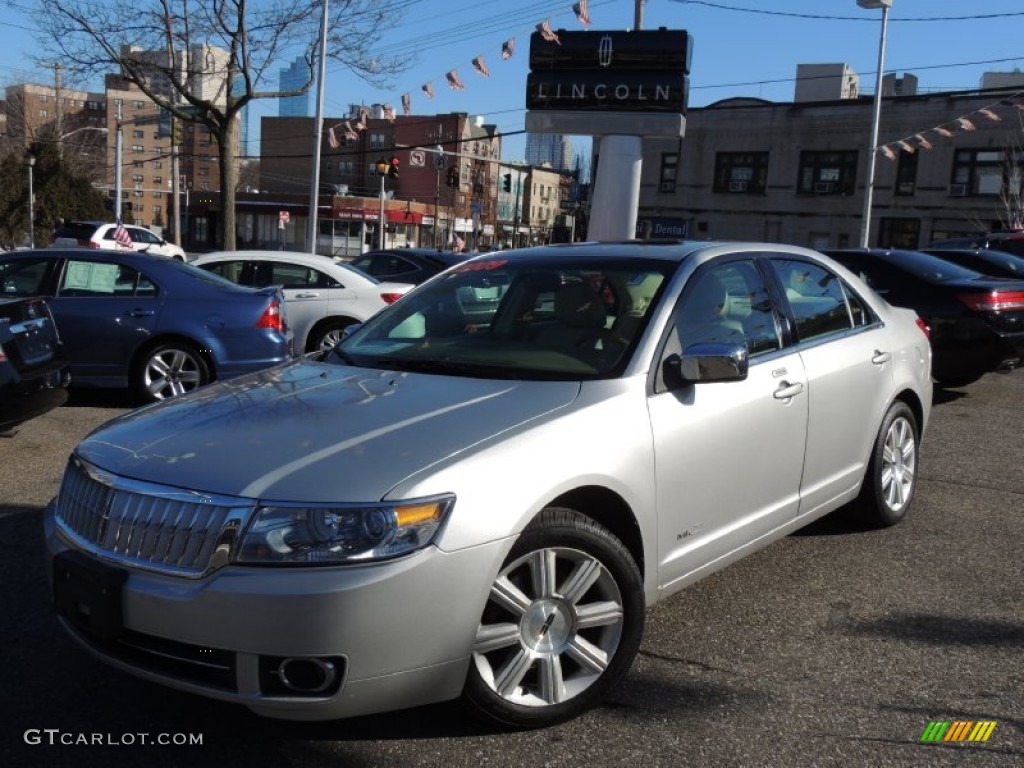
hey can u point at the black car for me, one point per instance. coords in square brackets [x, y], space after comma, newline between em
[407, 265]
[1011, 242]
[983, 260]
[33, 364]
[976, 321]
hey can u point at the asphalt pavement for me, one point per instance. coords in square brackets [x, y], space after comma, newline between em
[837, 646]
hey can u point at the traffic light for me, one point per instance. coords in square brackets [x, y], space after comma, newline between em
[393, 168]
[506, 182]
[453, 178]
[176, 131]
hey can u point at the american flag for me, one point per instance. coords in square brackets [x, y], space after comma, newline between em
[428, 88]
[547, 33]
[121, 236]
[479, 66]
[580, 9]
[406, 104]
[925, 144]
[453, 81]
[332, 139]
[508, 48]
[964, 123]
[389, 113]
[989, 114]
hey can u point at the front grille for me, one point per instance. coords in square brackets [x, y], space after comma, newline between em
[156, 527]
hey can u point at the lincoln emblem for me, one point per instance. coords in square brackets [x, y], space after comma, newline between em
[604, 51]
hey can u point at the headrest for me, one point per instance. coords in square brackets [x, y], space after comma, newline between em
[579, 306]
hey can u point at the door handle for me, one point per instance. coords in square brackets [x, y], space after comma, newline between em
[140, 313]
[306, 295]
[787, 390]
[881, 357]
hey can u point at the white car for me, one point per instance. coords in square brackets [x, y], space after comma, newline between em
[322, 296]
[100, 234]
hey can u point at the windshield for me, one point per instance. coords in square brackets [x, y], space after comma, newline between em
[523, 318]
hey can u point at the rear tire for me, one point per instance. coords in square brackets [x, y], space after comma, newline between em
[891, 478]
[168, 370]
[326, 335]
[561, 626]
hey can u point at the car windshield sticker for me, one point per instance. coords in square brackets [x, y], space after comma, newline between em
[91, 277]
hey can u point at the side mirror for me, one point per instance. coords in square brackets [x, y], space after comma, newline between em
[703, 363]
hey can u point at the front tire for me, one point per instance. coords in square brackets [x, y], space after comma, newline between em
[891, 479]
[168, 370]
[562, 624]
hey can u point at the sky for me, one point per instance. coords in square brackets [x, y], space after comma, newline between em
[740, 48]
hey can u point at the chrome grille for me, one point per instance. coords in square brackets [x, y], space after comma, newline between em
[156, 527]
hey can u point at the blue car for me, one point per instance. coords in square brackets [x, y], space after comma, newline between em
[157, 326]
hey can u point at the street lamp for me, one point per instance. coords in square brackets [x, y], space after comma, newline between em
[382, 170]
[31, 205]
[869, 188]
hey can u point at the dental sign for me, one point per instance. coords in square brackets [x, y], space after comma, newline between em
[641, 71]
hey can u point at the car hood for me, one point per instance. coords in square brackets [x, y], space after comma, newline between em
[309, 431]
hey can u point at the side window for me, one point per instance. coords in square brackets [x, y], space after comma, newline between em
[860, 312]
[815, 296]
[23, 277]
[291, 275]
[728, 303]
[229, 270]
[90, 278]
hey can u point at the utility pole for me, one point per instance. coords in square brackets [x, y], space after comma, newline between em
[117, 165]
[318, 137]
[176, 178]
[58, 107]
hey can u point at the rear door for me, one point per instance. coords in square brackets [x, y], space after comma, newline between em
[847, 357]
[309, 294]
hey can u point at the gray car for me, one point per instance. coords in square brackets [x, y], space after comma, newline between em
[480, 491]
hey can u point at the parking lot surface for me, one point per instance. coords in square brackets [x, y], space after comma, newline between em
[836, 646]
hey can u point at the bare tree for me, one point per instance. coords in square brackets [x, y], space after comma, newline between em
[203, 61]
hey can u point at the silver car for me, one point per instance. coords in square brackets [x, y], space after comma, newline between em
[479, 492]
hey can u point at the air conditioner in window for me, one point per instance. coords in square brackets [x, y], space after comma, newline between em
[824, 187]
[957, 190]
[737, 186]
[667, 186]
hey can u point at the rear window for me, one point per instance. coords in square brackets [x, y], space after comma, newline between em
[75, 231]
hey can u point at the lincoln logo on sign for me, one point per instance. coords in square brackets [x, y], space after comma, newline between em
[639, 71]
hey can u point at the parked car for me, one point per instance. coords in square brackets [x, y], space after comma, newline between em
[983, 260]
[34, 372]
[479, 491]
[407, 265]
[323, 296]
[100, 234]
[1011, 242]
[156, 325]
[976, 321]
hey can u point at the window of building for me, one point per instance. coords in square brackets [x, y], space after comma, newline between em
[986, 172]
[906, 173]
[157, 165]
[203, 171]
[158, 193]
[741, 172]
[827, 173]
[138, 133]
[377, 140]
[158, 179]
[138, 148]
[138, 178]
[138, 164]
[157, 210]
[44, 114]
[139, 104]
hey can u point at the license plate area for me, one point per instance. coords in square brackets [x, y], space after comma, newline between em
[88, 593]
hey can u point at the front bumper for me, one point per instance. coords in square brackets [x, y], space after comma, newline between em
[400, 633]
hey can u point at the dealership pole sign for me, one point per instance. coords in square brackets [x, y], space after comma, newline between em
[641, 71]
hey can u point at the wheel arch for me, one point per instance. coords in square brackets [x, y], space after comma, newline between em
[910, 397]
[609, 509]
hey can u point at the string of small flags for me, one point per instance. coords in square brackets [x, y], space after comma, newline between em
[964, 123]
[350, 129]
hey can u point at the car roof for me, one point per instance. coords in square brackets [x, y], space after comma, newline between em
[254, 255]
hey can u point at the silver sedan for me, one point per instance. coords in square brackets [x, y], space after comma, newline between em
[480, 491]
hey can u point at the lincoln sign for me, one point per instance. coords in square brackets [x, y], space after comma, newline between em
[641, 71]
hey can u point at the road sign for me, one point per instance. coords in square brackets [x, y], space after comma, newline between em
[440, 160]
[417, 158]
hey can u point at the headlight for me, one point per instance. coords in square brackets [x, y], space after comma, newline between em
[341, 533]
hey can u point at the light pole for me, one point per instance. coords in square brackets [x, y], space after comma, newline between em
[869, 187]
[382, 170]
[31, 205]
